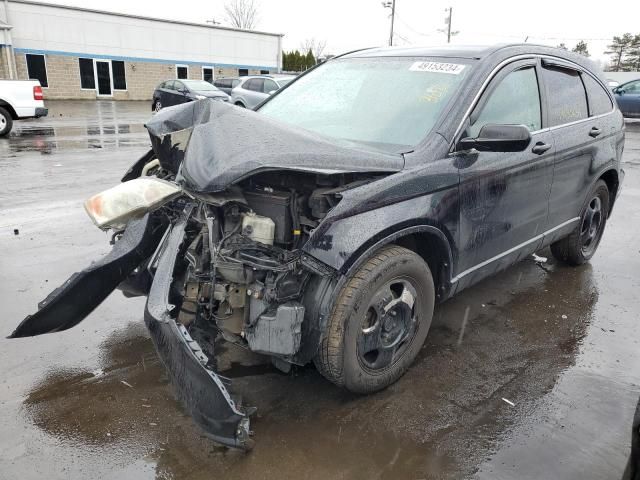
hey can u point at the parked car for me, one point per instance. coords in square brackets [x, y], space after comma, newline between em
[253, 90]
[628, 98]
[19, 99]
[329, 232]
[175, 92]
[226, 84]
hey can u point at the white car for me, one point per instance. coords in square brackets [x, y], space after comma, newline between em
[254, 89]
[19, 99]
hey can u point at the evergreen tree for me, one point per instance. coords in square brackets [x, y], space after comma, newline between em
[632, 58]
[618, 49]
[581, 48]
[310, 60]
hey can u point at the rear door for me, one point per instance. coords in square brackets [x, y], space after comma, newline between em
[628, 98]
[254, 91]
[504, 195]
[583, 129]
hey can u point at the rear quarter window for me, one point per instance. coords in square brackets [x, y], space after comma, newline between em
[567, 96]
[599, 100]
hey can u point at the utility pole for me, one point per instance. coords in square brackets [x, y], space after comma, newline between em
[392, 5]
[447, 22]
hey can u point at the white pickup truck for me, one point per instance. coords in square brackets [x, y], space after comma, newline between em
[19, 99]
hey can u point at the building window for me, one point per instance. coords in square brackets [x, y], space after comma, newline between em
[182, 72]
[87, 79]
[37, 68]
[264, 72]
[243, 72]
[207, 74]
[119, 77]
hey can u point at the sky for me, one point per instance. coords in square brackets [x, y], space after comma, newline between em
[351, 24]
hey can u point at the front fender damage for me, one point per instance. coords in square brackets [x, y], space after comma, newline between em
[200, 389]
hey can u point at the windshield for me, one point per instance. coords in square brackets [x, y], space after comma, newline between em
[199, 85]
[383, 100]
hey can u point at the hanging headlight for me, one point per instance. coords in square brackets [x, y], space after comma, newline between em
[116, 206]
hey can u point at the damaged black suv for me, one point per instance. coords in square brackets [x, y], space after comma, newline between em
[325, 225]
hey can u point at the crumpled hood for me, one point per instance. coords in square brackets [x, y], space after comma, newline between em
[212, 145]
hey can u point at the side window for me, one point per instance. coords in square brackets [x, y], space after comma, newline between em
[599, 101]
[633, 87]
[234, 83]
[515, 101]
[182, 71]
[567, 98]
[37, 68]
[179, 86]
[87, 79]
[269, 85]
[255, 84]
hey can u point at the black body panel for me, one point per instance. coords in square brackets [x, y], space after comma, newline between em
[201, 391]
[70, 303]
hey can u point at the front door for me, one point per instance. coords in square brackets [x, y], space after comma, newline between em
[103, 77]
[628, 98]
[504, 195]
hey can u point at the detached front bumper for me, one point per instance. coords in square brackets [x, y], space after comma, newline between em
[201, 391]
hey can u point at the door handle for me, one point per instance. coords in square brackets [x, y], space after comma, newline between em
[540, 147]
[595, 131]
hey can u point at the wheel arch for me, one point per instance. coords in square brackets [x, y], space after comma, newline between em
[611, 178]
[6, 105]
[428, 241]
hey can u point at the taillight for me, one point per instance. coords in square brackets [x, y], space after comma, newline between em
[37, 93]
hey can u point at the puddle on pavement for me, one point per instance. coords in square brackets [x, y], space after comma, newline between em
[439, 421]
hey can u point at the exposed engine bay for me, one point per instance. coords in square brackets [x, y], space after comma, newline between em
[243, 275]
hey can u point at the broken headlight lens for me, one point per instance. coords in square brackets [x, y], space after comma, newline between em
[116, 206]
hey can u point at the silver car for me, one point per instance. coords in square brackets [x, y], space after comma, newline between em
[252, 90]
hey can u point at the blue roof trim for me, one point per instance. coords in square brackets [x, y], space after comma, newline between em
[138, 59]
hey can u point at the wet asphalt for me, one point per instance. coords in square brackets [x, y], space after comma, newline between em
[542, 382]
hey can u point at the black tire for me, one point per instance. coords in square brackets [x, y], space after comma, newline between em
[342, 357]
[157, 106]
[6, 122]
[240, 104]
[583, 242]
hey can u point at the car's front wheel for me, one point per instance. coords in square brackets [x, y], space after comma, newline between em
[379, 322]
[580, 246]
[6, 122]
[239, 104]
[157, 105]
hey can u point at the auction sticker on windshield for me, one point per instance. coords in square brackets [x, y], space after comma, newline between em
[437, 67]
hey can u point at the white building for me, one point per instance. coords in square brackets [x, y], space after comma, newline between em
[82, 53]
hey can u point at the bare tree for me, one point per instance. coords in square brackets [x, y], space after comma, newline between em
[316, 46]
[241, 13]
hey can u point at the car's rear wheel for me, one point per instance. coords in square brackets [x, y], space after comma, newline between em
[379, 322]
[6, 122]
[581, 245]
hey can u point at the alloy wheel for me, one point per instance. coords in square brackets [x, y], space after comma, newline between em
[591, 227]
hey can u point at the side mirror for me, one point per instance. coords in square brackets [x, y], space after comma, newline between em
[618, 91]
[498, 138]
